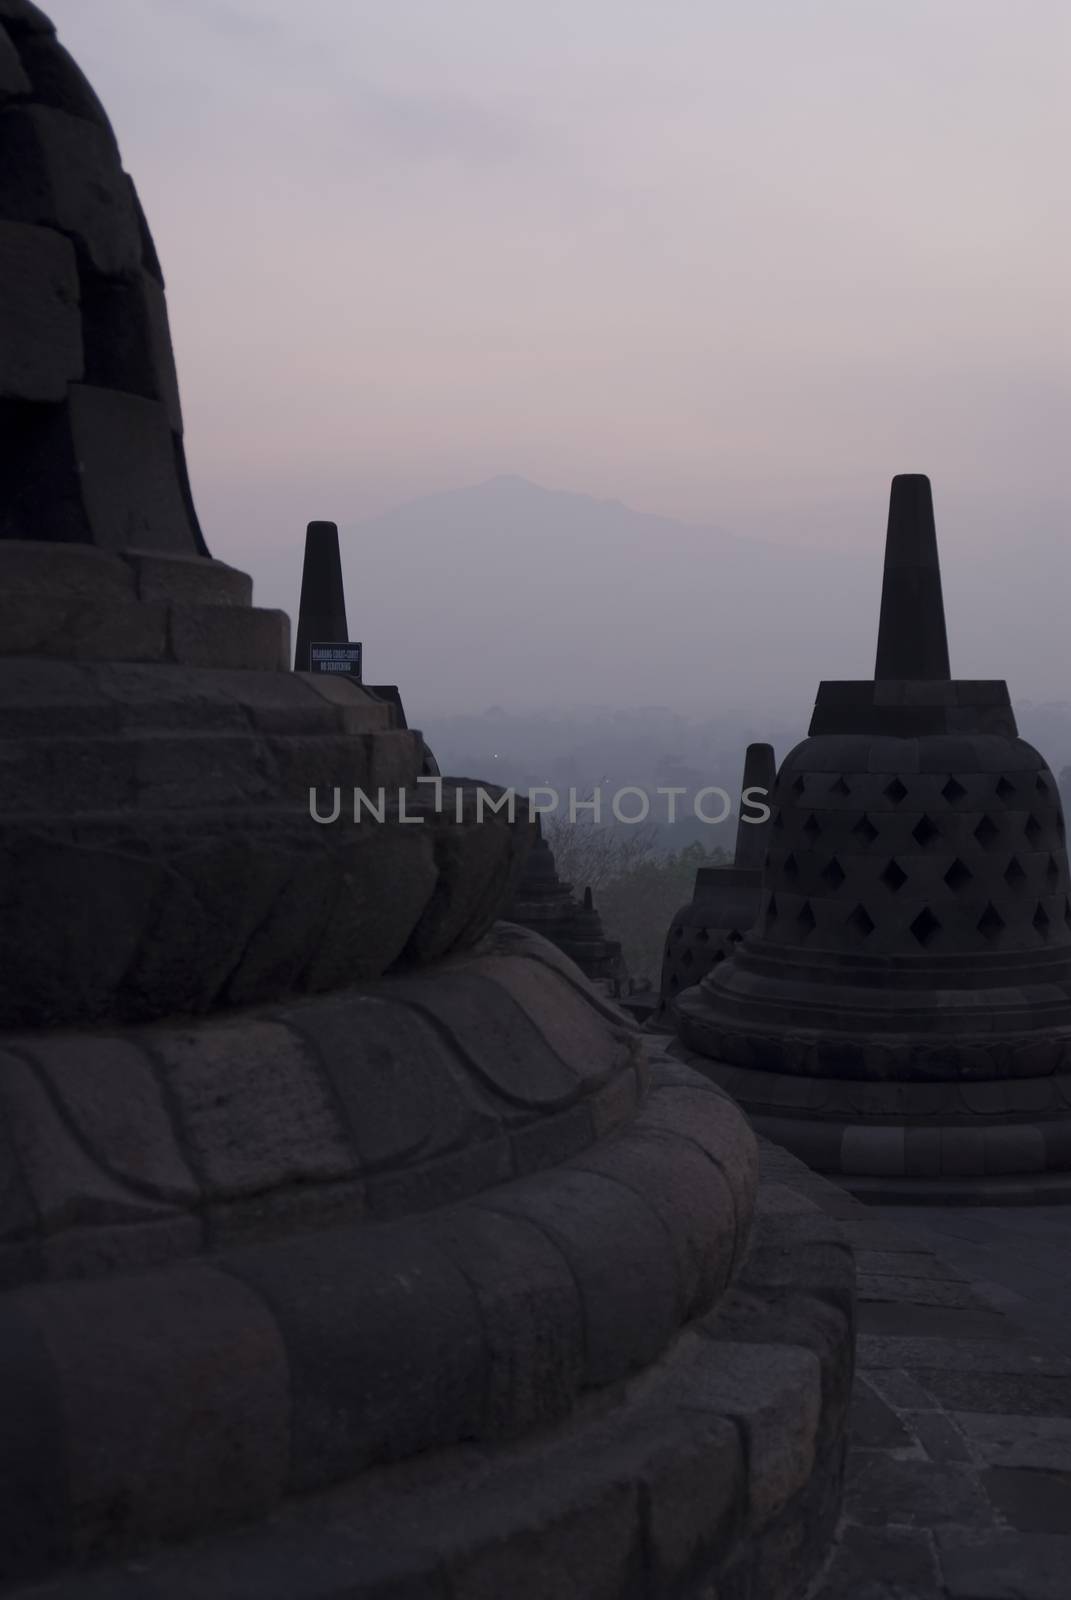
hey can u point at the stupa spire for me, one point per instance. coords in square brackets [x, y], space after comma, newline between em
[760, 770]
[912, 642]
[322, 607]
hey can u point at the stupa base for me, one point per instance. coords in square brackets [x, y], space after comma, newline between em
[993, 1142]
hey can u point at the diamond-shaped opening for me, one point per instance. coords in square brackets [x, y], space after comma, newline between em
[957, 875]
[778, 819]
[812, 827]
[925, 926]
[734, 936]
[1013, 872]
[1052, 874]
[990, 923]
[790, 868]
[688, 960]
[925, 831]
[1005, 789]
[895, 791]
[861, 922]
[893, 876]
[953, 791]
[833, 873]
[840, 786]
[805, 921]
[771, 911]
[986, 832]
[1032, 828]
[799, 785]
[719, 956]
[1040, 785]
[1041, 921]
[678, 932]
[702, 937]
[865, 830]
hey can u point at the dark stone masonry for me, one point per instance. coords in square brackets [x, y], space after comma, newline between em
[354, 1244]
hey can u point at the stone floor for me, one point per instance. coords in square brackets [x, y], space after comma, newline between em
[959, 1482]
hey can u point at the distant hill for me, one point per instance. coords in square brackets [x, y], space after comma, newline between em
[512, 593]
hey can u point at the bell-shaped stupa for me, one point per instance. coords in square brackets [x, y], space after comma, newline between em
[902, 1007]
[726, 900]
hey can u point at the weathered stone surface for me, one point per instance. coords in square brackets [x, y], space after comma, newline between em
[34, 1520]
[127, 339]
[61, 171]
[131, 494]
[395, 1078]
[69, 1185]
[617, 1250]
[58, 81]
[1003, 1566]
[23, 17]
[82, 631]
[109, 1091]
[253, 1107]
[188, 580]
[1040, 1442]
[41, 329]
[224, 636]
[173, 1392]
[370, 1381]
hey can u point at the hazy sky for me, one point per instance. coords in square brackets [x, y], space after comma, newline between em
[735, 261]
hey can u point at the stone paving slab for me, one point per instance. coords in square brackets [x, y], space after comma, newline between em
[958, 1484]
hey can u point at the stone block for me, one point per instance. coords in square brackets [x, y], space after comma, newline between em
[442, 1181]
[384, 1345]
[29, 568]
[109, 1092]
[187, 580]
[1039, 1442]
[691, 1197]
[22, 17]
[40, 324]
[405, 1093]
[979, 1565]
[173, 1388]
[129, 485]
[883, 1490]
[1030, 1499]
[81, 631]
[548, 1141]
[617, 1249]
[572, 1027]
[63, 172]
[253, 1107]
[13, 79]
[70, 1185]
[34, 1531]
[774, 1394]
[505, 1047]
[127, 340]
[102, 1251]
[228, 636]
[59, 82]
[352, 904]
[530, 1310]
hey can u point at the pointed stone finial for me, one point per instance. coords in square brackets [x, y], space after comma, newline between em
[760, 769]
[322, 608]
[912, 642]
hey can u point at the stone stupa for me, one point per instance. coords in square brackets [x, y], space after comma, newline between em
[901, 1013]
[350, 1242]
[726, 900]
[547, 906]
